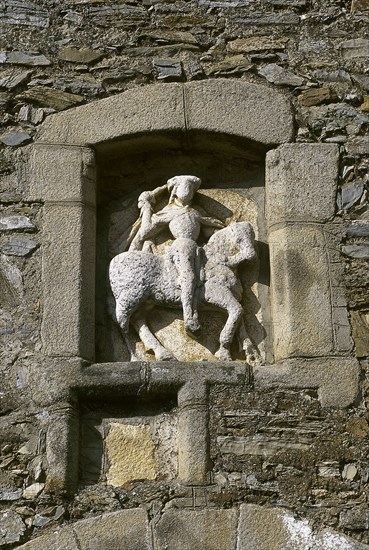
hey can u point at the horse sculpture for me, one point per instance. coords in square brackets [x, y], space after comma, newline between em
[140, 280]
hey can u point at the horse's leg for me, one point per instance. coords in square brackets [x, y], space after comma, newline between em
[223, 298]
[252, 354]
[149, 340]
[123, 312]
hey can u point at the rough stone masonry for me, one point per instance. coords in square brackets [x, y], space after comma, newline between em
[267, 101]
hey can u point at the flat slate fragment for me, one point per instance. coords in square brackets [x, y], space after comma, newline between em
[24, 58]
[356, 47]
[255, 44]
[231, 65]
[358, 230]
[357, 251]
[13, 80]
[15, 138]
[19, 247]
[12, 528]
[16, 12]
[15, 222]
[351, 194]
[278, 75]
[50, 97]
[316, 96]
[168, 69]
[83, 55]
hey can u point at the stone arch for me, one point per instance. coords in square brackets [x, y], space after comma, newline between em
[230, 107]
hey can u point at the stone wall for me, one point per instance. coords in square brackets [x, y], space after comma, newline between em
[273, 441]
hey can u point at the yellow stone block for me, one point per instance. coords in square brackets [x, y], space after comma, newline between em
[130, 453]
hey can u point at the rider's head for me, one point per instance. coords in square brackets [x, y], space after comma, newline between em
[182, 189]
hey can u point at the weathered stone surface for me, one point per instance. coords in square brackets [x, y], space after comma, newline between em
[280, 76]
[78, 174]
[16, 12]
[161, 108]
[196, 530]
[301, 297]
[361, 80]
[351, 193]
[13, 139]
[365, 105]
[130, 451]
[359, 5]
[336, 379]
[231, 65]
[128, 529]
[358, 251]
[357, 47]
[295, 176]
[11, 288]
[60, 540]
[7, 495]
[15, 222]
[229, 98]
[67, 327]
[349, 472]
[32, 491]
[27, 113]
[168, 70]
[226, 3]
[83, 55]
[255, 44]
[24, 58]
[272, 529]
[316, 96]
[51, 98]
[19, 247]
[260, 19]
[355, 519]
[164, 36]
[360, 329]
[258, 445]
[322, 75]
[117, 15]
[124, 529]
[14, 79]
[12, 528]
[359, 146]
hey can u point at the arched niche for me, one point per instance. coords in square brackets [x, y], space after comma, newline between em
[219, 129]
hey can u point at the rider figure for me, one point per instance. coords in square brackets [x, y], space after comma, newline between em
[184, 223]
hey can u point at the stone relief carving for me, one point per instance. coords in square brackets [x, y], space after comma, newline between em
[186, 274]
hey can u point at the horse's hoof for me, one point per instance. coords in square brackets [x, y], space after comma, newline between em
[193, 327]
[223, 355]
[165, 356]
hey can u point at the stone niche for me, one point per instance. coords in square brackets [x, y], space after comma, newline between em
[232, 190]
[120, 444]
[237, 137]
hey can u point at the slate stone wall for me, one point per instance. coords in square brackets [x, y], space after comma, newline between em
[276, 448]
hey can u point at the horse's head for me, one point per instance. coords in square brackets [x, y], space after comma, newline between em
[232, 245]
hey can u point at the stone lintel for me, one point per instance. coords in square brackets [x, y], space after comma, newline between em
[223, 106]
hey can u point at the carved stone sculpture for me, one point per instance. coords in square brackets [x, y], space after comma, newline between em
[188, 274]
